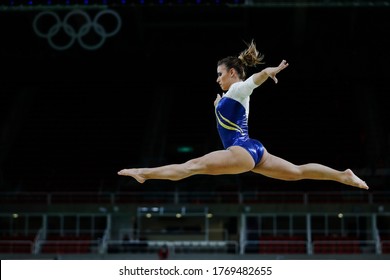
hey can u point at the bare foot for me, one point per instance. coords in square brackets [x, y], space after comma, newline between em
[353, 180]
[132, 173]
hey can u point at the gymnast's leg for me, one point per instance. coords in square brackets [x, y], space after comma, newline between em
[235, 160]
[278, 168]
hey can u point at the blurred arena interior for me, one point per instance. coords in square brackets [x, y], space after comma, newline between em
[77, 107]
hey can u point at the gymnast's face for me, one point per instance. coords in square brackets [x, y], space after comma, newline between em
[224, 77]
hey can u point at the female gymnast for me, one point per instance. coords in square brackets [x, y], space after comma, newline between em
[242, 153]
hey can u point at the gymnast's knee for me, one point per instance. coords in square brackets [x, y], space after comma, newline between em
[194, 166]
[294, 175]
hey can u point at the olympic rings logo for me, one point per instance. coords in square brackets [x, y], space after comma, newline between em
[76, 25]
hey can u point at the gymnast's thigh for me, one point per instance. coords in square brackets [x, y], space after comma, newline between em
[276, 167]
[233, 160]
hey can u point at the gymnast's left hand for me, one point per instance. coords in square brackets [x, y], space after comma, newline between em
[217, 99]
[272, 71]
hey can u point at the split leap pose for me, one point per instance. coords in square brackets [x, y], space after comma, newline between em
[242, 153]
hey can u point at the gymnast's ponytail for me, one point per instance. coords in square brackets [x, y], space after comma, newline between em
[250, 57]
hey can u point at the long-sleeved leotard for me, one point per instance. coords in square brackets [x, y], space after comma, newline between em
[232, 113]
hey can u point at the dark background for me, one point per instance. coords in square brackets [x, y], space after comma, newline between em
[69, 120]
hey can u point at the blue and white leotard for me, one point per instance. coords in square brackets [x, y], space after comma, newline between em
[232, 113]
